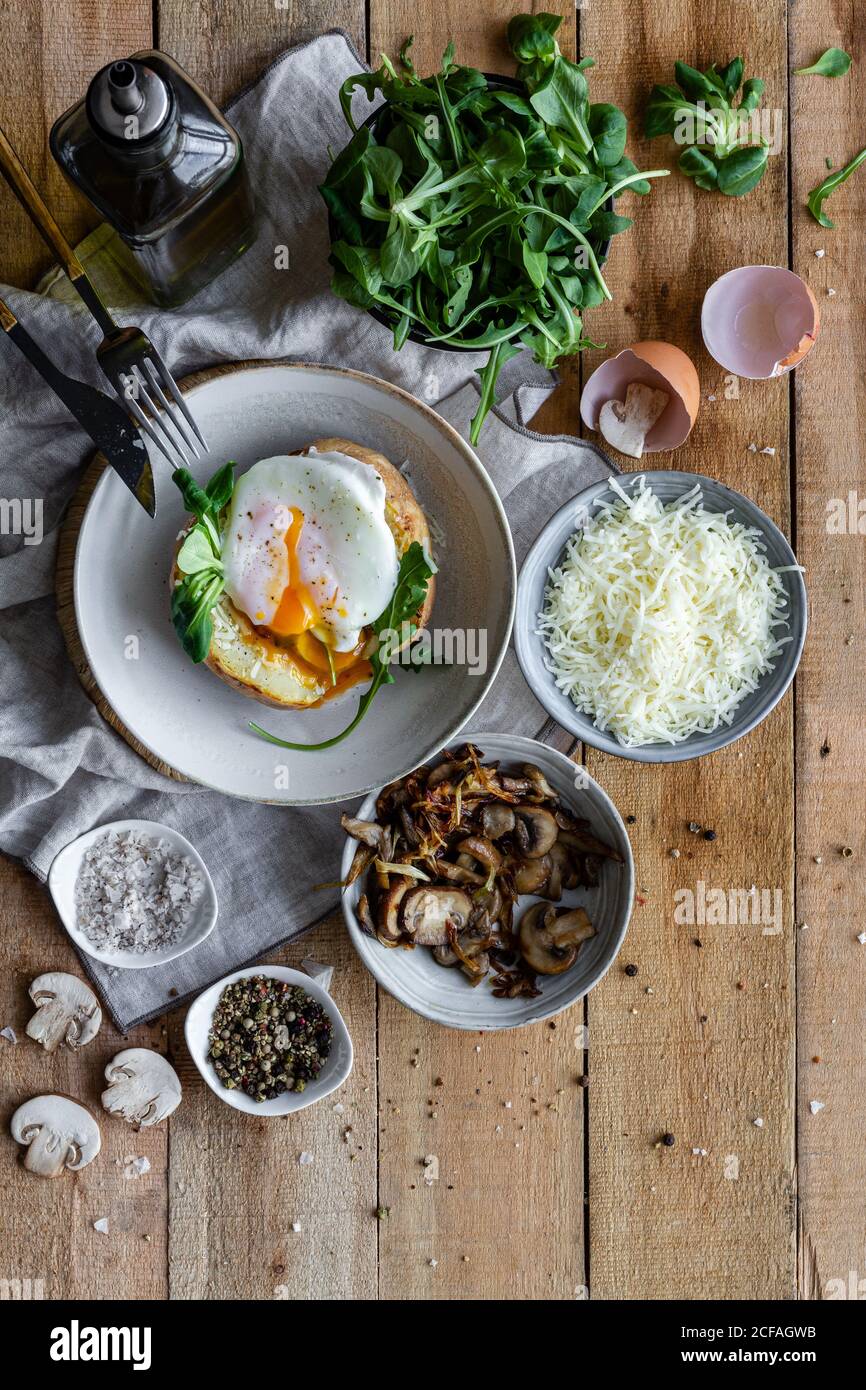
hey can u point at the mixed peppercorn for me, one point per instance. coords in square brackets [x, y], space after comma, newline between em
[267, 1036]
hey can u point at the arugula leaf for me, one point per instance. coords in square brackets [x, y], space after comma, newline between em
[413, 579]
[834, 62]
[815, 200]
[199, 560]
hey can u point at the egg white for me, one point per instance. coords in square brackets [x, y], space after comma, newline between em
[346, 554]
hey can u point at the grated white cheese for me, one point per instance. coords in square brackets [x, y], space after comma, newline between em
[661, 619]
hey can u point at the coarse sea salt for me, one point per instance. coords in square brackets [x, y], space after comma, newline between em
[135, 892]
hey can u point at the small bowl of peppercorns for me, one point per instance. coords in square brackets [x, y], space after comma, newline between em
[269, 1040]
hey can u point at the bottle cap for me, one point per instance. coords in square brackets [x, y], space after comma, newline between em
[127, 102]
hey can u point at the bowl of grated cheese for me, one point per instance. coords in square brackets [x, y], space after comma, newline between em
[660, 616]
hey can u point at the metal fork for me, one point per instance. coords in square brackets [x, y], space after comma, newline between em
[128, 358]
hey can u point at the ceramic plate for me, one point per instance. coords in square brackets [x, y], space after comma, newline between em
[333, 1073]
[546, 553]
[446, 996]
[61, 884]
[192, 720]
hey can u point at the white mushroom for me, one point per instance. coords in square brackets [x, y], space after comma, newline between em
[626, 424]
[58, 1133]
[144, 1088]
[67, 1011]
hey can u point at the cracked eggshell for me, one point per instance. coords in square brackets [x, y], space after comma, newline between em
[659, 365]
[759, 321]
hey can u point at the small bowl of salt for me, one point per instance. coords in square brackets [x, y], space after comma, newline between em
[133, 894]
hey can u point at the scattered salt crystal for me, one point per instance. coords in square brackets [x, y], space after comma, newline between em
[322, 974]
[497, 1129]
[768, 449]
[135, 1167]
[10, 1035]
[431, 1169]
[296, 1226]
[758, 1123]
[338, 1108]
[433, 1263]
[507, 1104]
[700, 1153]
[815, 1106]
[830, 294]
[477, 1047]
[861, 938]
[305, 1159]
[820, 254]
[711, 398]
[101, 1225]
[753, 448]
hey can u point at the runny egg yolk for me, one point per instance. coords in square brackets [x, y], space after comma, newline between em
[297, 611]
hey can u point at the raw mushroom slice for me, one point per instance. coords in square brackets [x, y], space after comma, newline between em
[144, 1088]
[57, 1132]
[428, 913]
[626, 424]
[67, 1011]
[550, 939]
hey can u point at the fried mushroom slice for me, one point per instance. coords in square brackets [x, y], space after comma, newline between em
[429, 912]
[531, 875]
[550, 939]
[389, 926]
[497, 820]
[536, 830]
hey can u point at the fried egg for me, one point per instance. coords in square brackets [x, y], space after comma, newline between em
[307, 549]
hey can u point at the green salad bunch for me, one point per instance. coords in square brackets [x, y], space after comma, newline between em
[474, 215]
[725, 149]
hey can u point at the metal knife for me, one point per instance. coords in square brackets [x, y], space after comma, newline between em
[103, 418]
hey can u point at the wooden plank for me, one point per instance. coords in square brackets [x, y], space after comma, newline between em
[50, 54]
[48, 1226]
[238, 1187]
[231, 1234]
[827, 121]
[503, 1114]
[226, 46]
[699, 1056]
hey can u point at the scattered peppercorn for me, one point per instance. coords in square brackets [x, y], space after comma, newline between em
[631, 970]
[172, 993]
[709, 834]
[847, 852]
[824, 750]
[704, 1018]
[267, 1037]
[631, 820]
[696, 941]
[583, 1081]
[668, 1140]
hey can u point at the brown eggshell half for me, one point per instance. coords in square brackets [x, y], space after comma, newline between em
[656, 364]
[759, 321]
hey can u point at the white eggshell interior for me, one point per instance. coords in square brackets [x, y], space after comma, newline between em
[610, 381]
[754, 317]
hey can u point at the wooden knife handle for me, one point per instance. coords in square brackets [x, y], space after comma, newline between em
[25, 191]
[7, 318]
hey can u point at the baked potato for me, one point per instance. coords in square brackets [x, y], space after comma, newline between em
[298, 675]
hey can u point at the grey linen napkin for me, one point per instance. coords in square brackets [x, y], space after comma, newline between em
[62, 769]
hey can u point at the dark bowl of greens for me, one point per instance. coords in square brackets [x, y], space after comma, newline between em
[473, 212]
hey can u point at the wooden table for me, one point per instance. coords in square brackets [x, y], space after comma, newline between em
[546, 1188]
